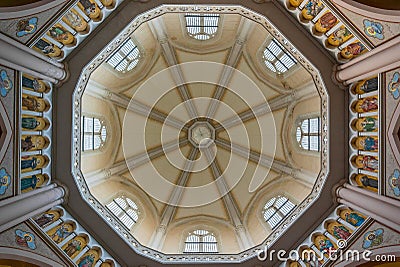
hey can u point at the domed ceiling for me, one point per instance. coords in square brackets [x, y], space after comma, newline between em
[199, 116]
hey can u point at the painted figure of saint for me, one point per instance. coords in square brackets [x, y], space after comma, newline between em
[326, 22]
[90, 8]
[44, 219]
[33, 123]
[5, 83]
[366, 86]
[33, 103]
[353, 50]
[341, 232]
[311, 9]
[72, 247]
[367, 104]
[33, 84]
[87, 261]
[368, 163]
[61, 35]
[369, 181]
[340, 36]
[366, 124]
[33, 142]
[324, 244]
[47, 48]
[75, 21]
[352, 217]
[90, 258]
[32, 182]
[59, 233]
[30, 163]
[366, 143]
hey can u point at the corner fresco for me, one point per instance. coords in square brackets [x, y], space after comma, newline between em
[26, 26]
[7, 111]
[5, 179]
[24, 29]
[374, 237]
[24, 238]
[376, 31]
[394, 85]
[392, 109]
[373, 29]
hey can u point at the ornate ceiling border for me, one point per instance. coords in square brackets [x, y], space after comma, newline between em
[112, 220]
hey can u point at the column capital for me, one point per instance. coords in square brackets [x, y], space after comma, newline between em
[336, 80]
[336, 188]
[64, 189]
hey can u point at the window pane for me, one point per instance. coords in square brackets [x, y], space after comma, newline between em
[273, 215]
[201, 241]
[276, 58]
[314, 125]
[309, 134]
[126, 57]
[201, 26]
[125, 209]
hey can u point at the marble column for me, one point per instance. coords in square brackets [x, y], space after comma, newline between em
[378, 207]
[17, 209]
[22, 58]
[382, 58]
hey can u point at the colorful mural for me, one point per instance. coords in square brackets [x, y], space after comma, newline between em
[26, 26]
[25, 239]
[373, 29]
[5, 181]
[373, 238]
[5, 83]
[394, 182]
[394, 85]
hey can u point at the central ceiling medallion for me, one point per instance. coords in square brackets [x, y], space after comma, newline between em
[201, 134]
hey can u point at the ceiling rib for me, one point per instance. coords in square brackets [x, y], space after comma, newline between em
[229, 202]
[134, 106]
[170, 209]
[158, 29]
[281, 101]
[230, 63]
[269, 162]
[123, 166]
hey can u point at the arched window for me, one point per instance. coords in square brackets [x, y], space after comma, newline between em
[201, 241]
[93, 133]
[276, 209]
[201, 26]
[308, 134]
[277, 59]
[125, 209]
[125, 58]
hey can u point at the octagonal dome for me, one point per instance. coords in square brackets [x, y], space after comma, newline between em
[199, 134]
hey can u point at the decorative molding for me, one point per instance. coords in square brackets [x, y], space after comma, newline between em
[116, 224]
